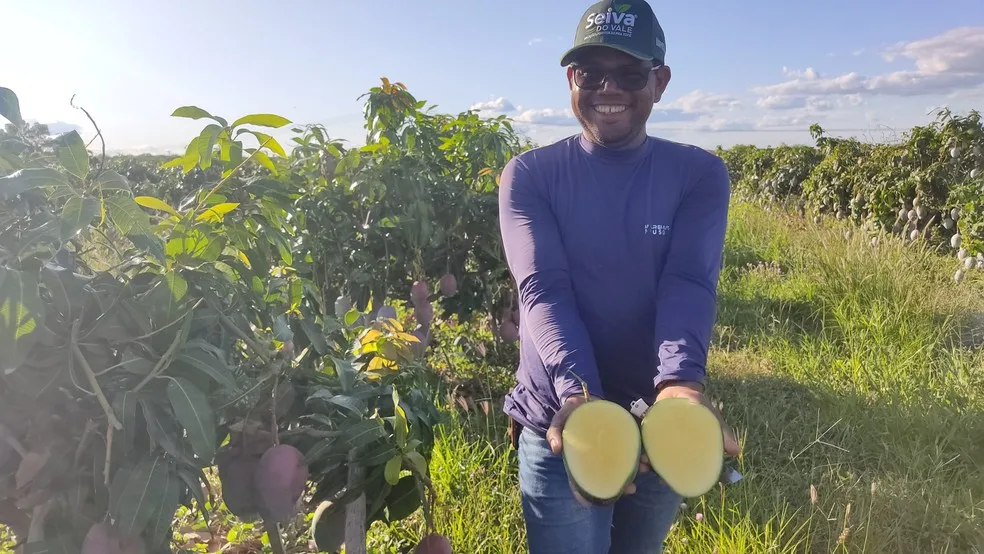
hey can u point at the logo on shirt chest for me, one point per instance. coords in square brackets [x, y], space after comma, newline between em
[656, 229]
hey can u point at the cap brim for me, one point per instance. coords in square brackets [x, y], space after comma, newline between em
[568, 56]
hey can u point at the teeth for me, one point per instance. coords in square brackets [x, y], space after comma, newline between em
[610, 108]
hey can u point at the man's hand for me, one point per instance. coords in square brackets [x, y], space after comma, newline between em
[556, 440]
[694, 392]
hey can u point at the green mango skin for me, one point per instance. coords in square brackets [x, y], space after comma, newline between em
[593, 499]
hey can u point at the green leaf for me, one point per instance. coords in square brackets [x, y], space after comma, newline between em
[351, 316]
[193, 411]
[21, 316]
[400, 421]
[139, 496]
[134, 223]
[66, 291]
[418, 461]
[403, 499]
[10, 106]
[194, 481]
[126, 214]
[346, 372]
[316, 336]
[77, 214]
[328, 527]
[194, 112]
[110, 180]
[378, 454]
[362, 433]
[31, 178]
[164, 505]
[265, 161]
[168, 438]
[156, 204]
[72, 154]
[217, 212]
[206, 143]
[262, 120]
[209, 365]
[125, 408]
[392, 471]
[267, 141]
[340, 400]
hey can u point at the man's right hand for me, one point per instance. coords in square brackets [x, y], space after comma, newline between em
[555, 434]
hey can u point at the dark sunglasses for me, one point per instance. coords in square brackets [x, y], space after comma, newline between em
[627, 78]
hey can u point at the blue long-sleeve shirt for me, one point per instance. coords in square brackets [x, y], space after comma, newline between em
[616, 256]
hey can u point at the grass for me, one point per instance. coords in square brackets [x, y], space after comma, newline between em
[846, 370]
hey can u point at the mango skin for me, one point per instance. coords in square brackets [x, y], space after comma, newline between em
[236, 473]
[280, 479]
[433, 543]
[103, 538]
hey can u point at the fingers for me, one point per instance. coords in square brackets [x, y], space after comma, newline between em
[554, 438]
[731, 445]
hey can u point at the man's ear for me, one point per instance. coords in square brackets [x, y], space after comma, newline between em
[570, 77]
[663, 75]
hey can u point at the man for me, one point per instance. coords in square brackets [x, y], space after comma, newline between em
[615, 240]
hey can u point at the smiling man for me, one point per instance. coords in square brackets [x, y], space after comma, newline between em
[615, 240]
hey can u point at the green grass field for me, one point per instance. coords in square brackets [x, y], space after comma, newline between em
[852, 376]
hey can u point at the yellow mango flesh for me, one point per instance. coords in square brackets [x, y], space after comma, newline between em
[602, 446]
[685, 445]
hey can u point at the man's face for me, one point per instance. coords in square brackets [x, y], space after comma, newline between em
[610, 115]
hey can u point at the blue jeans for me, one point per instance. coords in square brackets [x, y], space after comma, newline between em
[556, 522]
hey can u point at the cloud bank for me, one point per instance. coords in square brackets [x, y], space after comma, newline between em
[949, 66]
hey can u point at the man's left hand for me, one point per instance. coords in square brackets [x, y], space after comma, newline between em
[694, 392]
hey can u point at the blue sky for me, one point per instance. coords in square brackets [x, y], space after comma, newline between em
[743, 72]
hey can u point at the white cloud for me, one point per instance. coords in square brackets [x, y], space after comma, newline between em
[816, 103]
[535, 41]
[809, 74]
[946, 63]
[546, 116]
[499, 105]
[698, 101]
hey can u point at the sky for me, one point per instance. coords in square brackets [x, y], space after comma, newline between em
[753, 72]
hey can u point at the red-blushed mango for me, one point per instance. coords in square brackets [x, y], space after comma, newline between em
[103, 538]
[419, 292]
[236, 474]
[386, 312]
[280, 479]
[419, 348]
[424, 314]
[433, 543]
[448, 284]
[509, 331]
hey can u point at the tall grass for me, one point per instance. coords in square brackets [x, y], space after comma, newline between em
[847, 372]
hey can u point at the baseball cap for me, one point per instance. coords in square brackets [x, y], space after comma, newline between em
[626, 25]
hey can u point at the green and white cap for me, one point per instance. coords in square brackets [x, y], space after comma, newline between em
[626, 25]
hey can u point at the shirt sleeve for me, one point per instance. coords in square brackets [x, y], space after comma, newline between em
[687, 292]
[536, 258]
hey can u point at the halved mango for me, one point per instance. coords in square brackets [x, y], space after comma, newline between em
[602, 448]
[685, 444]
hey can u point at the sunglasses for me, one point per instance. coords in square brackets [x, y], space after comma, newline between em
[628, 79]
